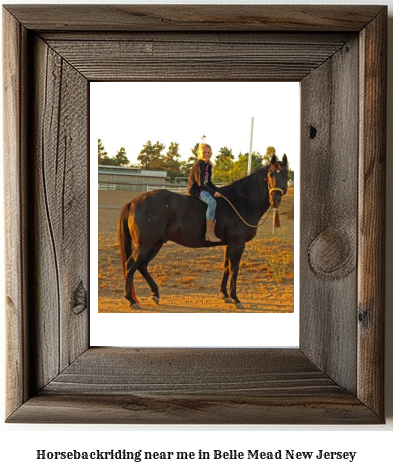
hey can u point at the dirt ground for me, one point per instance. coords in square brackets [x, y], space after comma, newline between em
[190, 283]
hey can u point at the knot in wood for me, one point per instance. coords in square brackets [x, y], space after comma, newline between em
[363, 316]
[313, 132]
[79, 299]
[330, 254]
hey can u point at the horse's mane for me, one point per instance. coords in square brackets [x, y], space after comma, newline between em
[247, 184]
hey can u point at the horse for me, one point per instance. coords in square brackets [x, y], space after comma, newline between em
[153, 218]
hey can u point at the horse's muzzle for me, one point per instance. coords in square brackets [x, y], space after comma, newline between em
[275, 196]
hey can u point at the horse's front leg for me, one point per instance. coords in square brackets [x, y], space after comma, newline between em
[235, 252]
[224, 281]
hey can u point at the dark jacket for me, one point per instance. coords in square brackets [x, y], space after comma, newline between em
[200, 180]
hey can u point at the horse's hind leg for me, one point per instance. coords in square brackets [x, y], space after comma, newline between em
[136, 259]
[224, 281]
[146, 275]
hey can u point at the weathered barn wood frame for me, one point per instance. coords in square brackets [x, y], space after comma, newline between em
[338, 54]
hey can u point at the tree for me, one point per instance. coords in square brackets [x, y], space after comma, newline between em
[194, 152]
[240, 168]
[193, 158]
[270, 151]
[256, 161]
[151, 157]
[171, 161]
[121, 158]
[228, 170]
[187, 165]
[172, 153]
[223, 165]
[184, 169]
[224, 153]
[103, 158]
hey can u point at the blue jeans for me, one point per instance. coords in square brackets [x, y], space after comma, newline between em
[211, 204]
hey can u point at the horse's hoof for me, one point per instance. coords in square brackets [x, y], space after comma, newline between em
[135, 306]
[228, 299]
[239, 305]
[156, 299]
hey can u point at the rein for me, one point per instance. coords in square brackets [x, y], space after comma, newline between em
[276, 219]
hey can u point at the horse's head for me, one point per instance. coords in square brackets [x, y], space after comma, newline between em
[277, 180]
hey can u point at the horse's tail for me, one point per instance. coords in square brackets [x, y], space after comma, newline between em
[124, 236]
[125, 242]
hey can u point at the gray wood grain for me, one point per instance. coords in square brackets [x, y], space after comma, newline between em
[202, 37]
[59, 177]
[16, 227]
[186, 59]
[193, 386]
[195, 17]
[329, 190]
[119, 409]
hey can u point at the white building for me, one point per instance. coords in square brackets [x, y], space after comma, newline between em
[129, 178]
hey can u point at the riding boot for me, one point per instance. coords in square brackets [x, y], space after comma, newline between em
[210, 235]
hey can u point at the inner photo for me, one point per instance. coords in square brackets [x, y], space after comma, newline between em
[195, 202]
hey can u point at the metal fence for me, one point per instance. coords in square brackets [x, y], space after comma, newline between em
[142, 188]
[176, 189]
[122, 187]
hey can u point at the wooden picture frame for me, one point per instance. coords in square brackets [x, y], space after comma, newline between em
[338, 54]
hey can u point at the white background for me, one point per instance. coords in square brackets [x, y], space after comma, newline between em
[18, 443]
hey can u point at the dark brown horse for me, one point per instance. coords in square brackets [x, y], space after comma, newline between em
[151, 219]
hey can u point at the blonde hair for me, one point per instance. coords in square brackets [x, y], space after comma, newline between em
[200, 151]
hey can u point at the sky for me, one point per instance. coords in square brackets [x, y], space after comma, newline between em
[128, 114]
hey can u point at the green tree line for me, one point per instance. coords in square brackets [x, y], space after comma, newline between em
[120, 159]
[153, 157]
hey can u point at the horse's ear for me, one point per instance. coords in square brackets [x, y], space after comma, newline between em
[274, 159]
[285, 159]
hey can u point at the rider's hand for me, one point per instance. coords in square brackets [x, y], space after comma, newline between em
[217, 194]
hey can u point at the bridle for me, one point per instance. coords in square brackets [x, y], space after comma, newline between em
[282, 191]
[271, 190]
